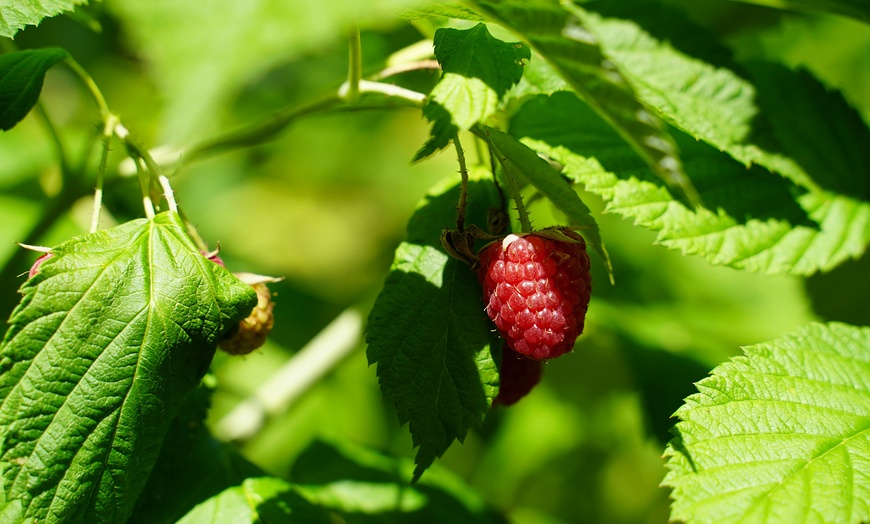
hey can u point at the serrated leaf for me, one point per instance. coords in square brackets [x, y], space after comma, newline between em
[531, 168]
[713, 100]
[21, 77]
[478, 70]
[781, 434]
[428, 332]
[16, 14]
[352, 480]
[826, 137]
[558, 33]
[752, 220]
[858, 9]
[112, 333]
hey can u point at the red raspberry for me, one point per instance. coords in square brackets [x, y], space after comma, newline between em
[518, 375]
[536, 290]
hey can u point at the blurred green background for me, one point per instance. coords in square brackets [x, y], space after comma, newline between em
[326, 202]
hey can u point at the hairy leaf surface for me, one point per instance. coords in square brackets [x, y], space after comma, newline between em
[112, 333]
[16, 14]
[750, 115]
[21, 77]
[478, 71]
[752, 219]
[558, 33]
[781, 434]
[428, 332]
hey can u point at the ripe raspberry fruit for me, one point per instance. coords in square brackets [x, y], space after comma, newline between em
[517, 376]
[536, 287]
[251, 332]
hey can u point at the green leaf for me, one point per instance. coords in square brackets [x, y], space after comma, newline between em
[352, 480]
[257, 501]
[709, 97]
[529, 167]
[857, 9]
[443, 9]
[21, 77]
[752, 220]
[110, 336]
[826, 136]
[558, 33]
[478, 69]
[15, 14]
[781, 434]
[192, 466]
[428, 332]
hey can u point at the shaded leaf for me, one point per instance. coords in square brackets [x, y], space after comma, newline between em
[781, 434]
[428, 332]
[16, 14]
[857, 9]
[751, 220]
[364, 486]
[558, 33]
[192, 466]
[21, 77]
[260, 500]
[111, 335]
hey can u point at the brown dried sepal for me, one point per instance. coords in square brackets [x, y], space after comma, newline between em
[251, 332]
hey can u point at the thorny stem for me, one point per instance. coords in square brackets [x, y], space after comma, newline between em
[463, 188]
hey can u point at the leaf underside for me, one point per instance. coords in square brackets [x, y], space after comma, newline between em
[21, 77]
[781, 434]
[111, 334]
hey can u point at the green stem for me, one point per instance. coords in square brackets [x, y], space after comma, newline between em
[92, 87]
[354, 69]
[261, 131]
[463, 187]
[106, 138]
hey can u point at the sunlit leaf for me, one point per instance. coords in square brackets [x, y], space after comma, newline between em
[16, 14]
[751, 219]
[478, 70]
[559, 34]
[781, 434]
[111, 334]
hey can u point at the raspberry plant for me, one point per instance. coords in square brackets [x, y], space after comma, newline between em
[554, 126]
